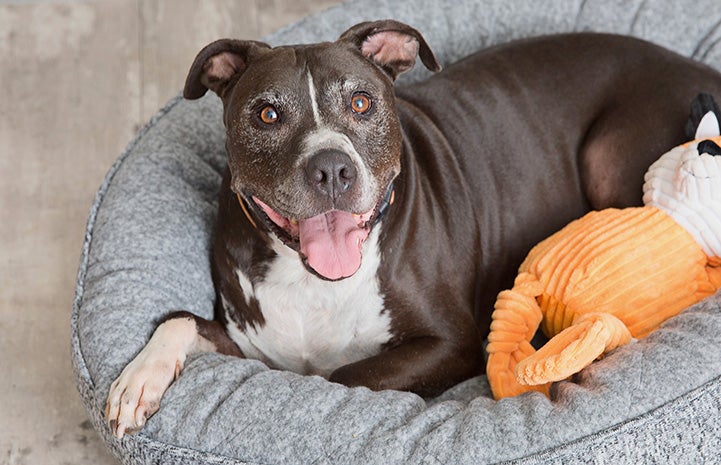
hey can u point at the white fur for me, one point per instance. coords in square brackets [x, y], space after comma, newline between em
[313, 99]
[245, 285]
[314, 326]
[136, 393]
[325, 138]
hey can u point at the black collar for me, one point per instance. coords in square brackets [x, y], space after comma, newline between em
[385, 203]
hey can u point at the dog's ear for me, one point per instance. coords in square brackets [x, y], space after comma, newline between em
[218, 64]
[392, 45]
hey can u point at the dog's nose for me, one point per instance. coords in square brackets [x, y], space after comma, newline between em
[332, 172]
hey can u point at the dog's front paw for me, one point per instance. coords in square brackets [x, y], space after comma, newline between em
[136, 394]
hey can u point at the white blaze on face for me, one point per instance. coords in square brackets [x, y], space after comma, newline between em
[325, 137]
[687, 186]
[313, 99]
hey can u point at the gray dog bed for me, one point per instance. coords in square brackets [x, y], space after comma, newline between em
[146, 253]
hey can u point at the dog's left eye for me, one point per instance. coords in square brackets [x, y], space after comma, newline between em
[268, 114]
[360, 102]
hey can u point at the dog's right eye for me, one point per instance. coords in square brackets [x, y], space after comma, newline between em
[360, 103]
[268, 114]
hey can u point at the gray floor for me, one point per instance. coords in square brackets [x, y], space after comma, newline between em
[77, 80]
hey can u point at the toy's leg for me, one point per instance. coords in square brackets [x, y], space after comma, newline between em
[515, 320]
[574, 348]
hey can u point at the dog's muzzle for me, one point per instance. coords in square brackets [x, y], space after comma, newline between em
[329, 244]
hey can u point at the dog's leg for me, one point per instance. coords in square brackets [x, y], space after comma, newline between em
[426, 364]
[135, 395]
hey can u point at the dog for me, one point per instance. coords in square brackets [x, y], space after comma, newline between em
[365, 230]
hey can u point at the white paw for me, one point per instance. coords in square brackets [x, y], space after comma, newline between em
[136, 394]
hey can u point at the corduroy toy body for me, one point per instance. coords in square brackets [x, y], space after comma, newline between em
[615, 274]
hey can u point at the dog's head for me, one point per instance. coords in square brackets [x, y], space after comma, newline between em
[686, 181]
[313, 138]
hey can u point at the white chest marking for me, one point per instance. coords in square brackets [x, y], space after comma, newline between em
[314, 326]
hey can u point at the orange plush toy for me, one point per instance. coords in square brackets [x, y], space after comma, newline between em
[615, 274]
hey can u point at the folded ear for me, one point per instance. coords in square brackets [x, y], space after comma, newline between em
[218, 64]
[392, 45]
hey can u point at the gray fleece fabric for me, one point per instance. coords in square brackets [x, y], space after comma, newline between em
[146, 254]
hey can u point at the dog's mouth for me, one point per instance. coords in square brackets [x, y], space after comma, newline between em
[330, 244]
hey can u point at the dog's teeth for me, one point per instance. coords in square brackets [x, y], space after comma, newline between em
[294, 222]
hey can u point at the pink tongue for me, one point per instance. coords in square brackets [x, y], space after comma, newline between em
[331, 243]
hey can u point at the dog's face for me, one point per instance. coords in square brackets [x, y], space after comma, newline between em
[314, 141]
[315, 136]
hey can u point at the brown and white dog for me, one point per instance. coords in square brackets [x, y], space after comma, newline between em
[364, 230]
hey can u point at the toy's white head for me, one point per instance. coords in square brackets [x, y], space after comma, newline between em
[686, 183]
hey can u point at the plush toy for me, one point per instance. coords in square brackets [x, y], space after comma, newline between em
[616, 274]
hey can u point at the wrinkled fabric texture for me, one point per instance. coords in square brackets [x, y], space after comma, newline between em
[146, 253]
